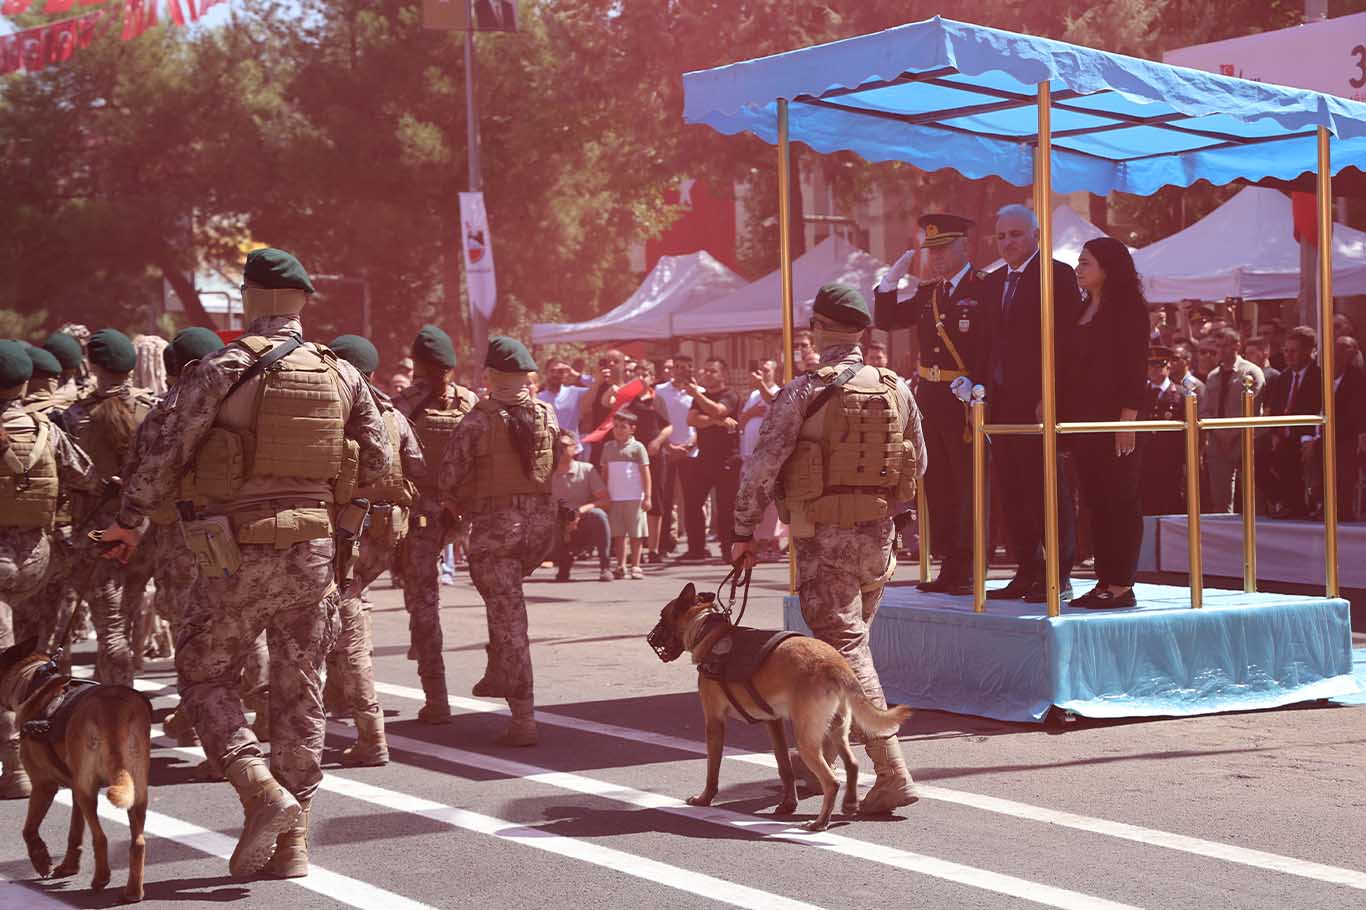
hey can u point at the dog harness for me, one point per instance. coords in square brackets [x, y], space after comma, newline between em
[58, 696]
[736, 657]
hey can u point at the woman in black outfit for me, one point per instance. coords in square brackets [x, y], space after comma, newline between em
[1104, 373]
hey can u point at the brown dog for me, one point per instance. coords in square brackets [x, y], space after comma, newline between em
[803, 679]
[107, 743]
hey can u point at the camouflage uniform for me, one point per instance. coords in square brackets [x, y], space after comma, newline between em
[427, 531]
[287, 592]
[350, 658]
[101, 581]
[48, 399]
[507, 543]
[25, 557]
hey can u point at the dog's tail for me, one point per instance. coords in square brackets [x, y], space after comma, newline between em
[121, 791]
[875, 722]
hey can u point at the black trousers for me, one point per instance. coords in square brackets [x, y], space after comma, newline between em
[1280, 470]
[948, 479]
[1019, 459]
[1111, 493]
[699, 478]
[592, 533]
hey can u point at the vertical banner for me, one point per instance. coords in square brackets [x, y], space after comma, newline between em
[480, 282]
[446, 15]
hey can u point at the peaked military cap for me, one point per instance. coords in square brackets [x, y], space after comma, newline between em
[1159, 354]
[843, 304]
[357, 351]
[43, 361]
[276, 269]
[191, 344]
[941, 228]
[508, 355]
[66, 349]
[112, 350]
[15, 366]
[434, 345]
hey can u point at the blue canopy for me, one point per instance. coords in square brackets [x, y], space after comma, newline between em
[941, 93]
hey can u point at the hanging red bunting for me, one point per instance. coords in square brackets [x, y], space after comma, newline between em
[34, 48]
[15, 7]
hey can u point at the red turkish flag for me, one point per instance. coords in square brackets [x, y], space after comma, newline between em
[138, 17]
[1304, 209]
[15, 7]
[11, 56]
[57, 6]
[625, 395]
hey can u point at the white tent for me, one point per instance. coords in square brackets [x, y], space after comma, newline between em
[675, 285]
[758, 307]
[1244, 248]
[1070, 233]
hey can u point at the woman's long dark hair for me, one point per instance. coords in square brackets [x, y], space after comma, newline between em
[1122, 284]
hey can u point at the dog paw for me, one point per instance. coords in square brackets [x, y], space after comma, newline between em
[67, 869]
[816, 824]
[701, 799]
[785, 808]
[41, 860]
[849, 807]
[131, 895]
[99, 882]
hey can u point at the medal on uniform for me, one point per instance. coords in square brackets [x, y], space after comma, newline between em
[964, 324]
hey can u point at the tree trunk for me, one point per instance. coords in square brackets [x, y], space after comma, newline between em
[184, 290]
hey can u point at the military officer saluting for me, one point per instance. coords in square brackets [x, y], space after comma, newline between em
[950, 313]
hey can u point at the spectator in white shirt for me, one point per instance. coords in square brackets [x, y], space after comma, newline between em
[562, 395]
[769, 529]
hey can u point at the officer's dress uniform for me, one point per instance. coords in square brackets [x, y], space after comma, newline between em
[434, 414]
[313, 410]
[1162, 485]
[951, 320]
[841, 519]
[391, 498]
[512, 527]
[101, 581]
[44, 461]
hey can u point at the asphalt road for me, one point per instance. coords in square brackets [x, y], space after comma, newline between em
[1261, 810]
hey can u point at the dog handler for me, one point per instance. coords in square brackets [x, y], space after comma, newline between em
[838, 448]
[277, 432]
[37, 461]
[496, 474]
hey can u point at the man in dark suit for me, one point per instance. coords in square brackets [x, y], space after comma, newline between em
[1015, 395]
[1349, 399]
[1163, 466]
[950, 312]
[1298, 390]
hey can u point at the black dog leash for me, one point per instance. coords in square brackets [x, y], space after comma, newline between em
[739, 574]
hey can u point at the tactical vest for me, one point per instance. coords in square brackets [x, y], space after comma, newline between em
[392, 488]
[28, 477]
[851, 463]
[497, 473]
[281, 433]
[106, 442]
[436, 418]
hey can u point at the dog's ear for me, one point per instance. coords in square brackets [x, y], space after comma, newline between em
[688, 594]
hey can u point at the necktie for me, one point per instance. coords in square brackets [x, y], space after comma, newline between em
[998, 372]
[1294, 387]
[1012, 281]
[1223, 394]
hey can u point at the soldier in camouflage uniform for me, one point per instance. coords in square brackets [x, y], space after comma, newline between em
[104, 424]
[69, 350]
[36, 461]
[390, 501]
[839, 497]
[496, 474]
[274, 431]
[434, 405]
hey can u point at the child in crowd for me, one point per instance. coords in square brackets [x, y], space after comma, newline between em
[626, 463]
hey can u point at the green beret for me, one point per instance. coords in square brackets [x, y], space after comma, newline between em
[272, 268]
[191, 344]
[66, 349]
[43, 362]
[357, 351]
[169, 361]
[435, 346]
[15, 367]
[843, 304]
[112, 350]
[508, 355]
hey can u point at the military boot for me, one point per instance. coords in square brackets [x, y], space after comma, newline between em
[521, 730]
[178, 724]
[894, 787]
[370, 749]
[269, 810]
[291, 849]
[490, 686]
[14, 782]
[437, 710]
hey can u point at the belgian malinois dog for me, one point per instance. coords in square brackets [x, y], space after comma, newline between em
[803, 680]
[107, 743]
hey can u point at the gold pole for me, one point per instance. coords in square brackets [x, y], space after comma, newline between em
[1043, 183]
[922, 523]
[979, 501]
[1197, 572]
[785, 267]
[1326, 352]
[1249, 477]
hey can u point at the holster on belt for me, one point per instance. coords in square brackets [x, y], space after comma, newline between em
[349, 528]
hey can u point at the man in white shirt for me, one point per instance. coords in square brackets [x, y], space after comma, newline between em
[673, 401]
[1223, 398]
[561, 395]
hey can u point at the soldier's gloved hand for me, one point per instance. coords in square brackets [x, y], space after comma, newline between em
[896, 272]
[962, 389]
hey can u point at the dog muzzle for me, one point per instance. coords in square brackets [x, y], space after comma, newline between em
[665, 642]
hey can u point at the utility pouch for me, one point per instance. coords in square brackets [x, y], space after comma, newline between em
[213, 544]
[284, 529]
[220, 466]
[344, 489]
[910, 474]
[803, 474]
[387, 527]
[351, 520]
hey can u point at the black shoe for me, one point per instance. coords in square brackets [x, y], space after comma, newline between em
[1108, 600]
[562, 576]
[936, 586]
[958, 588]
[1019, 586]
[1039, 593]
[694, 556]
[1085, 599]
